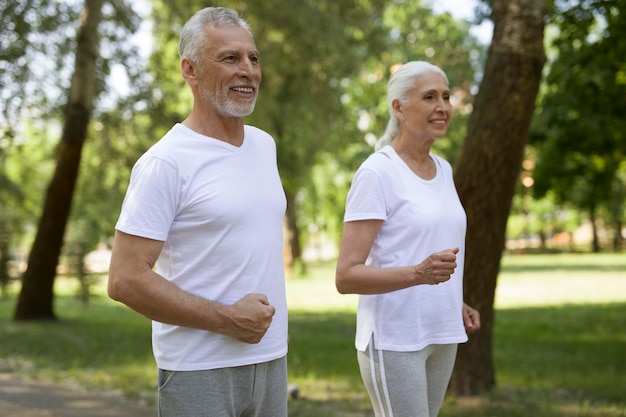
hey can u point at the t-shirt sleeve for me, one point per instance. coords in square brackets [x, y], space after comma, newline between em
[365, 199]
[151, 200]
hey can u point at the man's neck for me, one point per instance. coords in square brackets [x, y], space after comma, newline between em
[229, 130]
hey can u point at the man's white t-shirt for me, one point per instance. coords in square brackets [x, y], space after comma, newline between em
[420, 217]
[219, 210]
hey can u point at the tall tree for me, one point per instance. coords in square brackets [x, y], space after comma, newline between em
[101, 41]
[412, 32]
[488, 168]
[23, 36]
[36, 297]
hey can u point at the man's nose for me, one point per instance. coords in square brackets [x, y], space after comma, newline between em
[248, 67]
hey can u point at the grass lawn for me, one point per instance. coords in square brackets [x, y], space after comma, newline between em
[559, 343]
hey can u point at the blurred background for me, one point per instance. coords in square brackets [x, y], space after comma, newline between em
[325, 68]
[87, 86]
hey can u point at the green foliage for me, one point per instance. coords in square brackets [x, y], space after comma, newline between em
[36, 60]
[116, 129]
[31, 46]
[579, 126]
[435, 38]
[308, 49]
[171, 99]
[414, 33]
[28, 30]
[314, 56]
[105, 169]
[21, 186]
[321, 202]
[37, 40]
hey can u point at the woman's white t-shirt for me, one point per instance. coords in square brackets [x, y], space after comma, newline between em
[420, 217]
[219, 210]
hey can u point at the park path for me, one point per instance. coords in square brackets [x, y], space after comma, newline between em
[21, 397]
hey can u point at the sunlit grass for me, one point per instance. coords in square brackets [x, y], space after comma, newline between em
[559, 343]
[542, 280]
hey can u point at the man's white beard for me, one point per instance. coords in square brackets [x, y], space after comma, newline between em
[229, 107]
[238, 110]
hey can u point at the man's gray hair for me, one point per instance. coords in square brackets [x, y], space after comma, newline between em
[192, 38]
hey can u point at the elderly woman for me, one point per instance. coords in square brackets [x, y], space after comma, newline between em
[402, 250]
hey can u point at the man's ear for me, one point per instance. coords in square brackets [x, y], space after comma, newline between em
[188, 70]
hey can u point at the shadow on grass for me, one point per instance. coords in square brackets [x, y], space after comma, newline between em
[306, 407]
[575, 350]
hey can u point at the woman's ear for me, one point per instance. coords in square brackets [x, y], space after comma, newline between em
[397, 108]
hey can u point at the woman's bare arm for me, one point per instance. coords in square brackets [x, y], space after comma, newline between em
[354, 277]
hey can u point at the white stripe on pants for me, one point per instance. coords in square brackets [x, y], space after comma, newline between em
[407, 384]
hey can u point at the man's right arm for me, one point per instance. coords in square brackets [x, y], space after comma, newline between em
[132, 281]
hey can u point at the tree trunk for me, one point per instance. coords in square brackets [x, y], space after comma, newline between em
[36, 297]
[595, 242]
[296, 265]
[617, 237]
[488, 169]
[4, 254]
